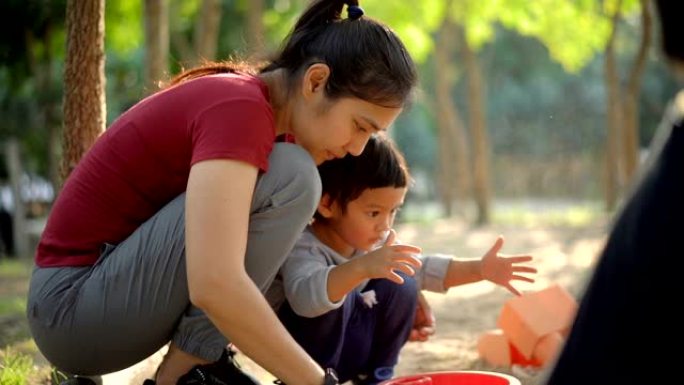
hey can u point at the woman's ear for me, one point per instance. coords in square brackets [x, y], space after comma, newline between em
[315, 79]
[325, 206]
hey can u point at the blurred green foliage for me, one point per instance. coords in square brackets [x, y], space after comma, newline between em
[541, 61]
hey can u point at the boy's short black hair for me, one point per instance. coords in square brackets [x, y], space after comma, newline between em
[380, 164]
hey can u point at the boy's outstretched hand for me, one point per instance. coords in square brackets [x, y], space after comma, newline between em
[502, 269]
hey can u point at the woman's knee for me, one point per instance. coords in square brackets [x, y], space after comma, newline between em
[291, 181]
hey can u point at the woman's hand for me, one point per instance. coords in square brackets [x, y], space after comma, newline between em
[501, 269]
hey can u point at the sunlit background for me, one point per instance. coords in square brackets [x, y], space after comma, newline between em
[532, 116]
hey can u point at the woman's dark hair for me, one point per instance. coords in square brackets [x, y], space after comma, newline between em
[367, 60]
[380, 165]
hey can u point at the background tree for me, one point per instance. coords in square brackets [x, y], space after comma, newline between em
[156, 42]
[255, 27]
[541, 63]
[207, 30]
[200, 42]
[84, 80]
[622, 116]
[455, 179]
[31, 63]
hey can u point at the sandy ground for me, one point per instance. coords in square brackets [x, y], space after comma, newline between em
[563, 255]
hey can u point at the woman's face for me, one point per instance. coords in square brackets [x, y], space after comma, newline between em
[340, 127]
[330, 129]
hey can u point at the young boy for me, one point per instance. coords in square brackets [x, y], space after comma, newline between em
[350, 289]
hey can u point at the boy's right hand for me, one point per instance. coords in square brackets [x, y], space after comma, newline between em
[382, 262]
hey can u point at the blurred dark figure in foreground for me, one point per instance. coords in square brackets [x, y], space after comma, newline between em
[627, 319]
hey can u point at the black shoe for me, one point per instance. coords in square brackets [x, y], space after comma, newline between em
[225, 371]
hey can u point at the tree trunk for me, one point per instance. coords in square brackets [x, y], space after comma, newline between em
[478, 131]
[179, 42]
[207, 29]
[614, 119]
[631, 112]
[156, 42]
[84, 80]
[255, 27]
[454, 164]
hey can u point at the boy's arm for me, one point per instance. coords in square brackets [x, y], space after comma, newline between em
[463, 272]
[344, 278]
[493, 267]
[305, 275]
[379, 263]
[442, 272]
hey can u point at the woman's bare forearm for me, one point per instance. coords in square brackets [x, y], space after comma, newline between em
[257, 332]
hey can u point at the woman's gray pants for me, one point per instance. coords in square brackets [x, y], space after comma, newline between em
[103, 318]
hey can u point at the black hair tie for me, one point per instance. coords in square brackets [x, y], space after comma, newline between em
[354, 12]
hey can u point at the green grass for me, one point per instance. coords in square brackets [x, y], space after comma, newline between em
[15, 368]
[12, 305]
[15, 268]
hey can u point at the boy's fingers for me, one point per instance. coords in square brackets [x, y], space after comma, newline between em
[519, 258]
[524, 269]
[497, 245]
[406, 249]
[390, 237]
[521, 278]
[408, 259]
[408, 270]
[512, 289]
[396, 278]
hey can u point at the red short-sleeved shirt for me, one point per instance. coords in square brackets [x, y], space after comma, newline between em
[143, 161]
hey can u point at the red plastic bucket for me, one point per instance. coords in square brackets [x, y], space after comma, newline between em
[454, 378]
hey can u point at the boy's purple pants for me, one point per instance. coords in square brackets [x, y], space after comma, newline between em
[361, 343]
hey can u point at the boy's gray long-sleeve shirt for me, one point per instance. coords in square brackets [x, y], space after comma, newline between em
[303, 278]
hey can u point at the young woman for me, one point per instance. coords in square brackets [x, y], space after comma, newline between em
[180, 215]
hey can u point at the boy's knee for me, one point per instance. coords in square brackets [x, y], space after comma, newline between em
[396, 293]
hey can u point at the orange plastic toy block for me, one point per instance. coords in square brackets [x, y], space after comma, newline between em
[547, 348]
[526, 319]
[495, 348]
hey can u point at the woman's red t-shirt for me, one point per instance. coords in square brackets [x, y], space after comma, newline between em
[143, 161]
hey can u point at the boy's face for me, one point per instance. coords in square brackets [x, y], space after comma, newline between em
[365, 221]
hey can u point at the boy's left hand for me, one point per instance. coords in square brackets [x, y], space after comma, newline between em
[423, 322]
[503, 269]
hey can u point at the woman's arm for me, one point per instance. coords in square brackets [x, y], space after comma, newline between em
[218, 199]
